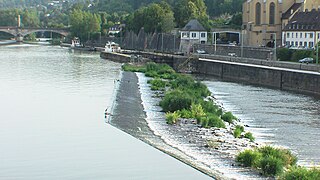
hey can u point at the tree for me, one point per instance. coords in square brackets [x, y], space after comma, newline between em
[155, 17]
[84, 23]
[185, 10]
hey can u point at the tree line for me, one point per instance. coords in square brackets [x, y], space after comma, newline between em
[88, 17]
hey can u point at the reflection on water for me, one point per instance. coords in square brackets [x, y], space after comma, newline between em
[52, 103]
[278, 117]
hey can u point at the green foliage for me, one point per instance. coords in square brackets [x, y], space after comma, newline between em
[154, 17]
[271, 165]
[133, 68]
[249, 135]
[284, 54]
[301, 173]
[176, 100]
[238, 130]
[249, 158]
[228, 117]
[157, 84]
[271, 161]
[197, 111]
[84, 23]
[172, 118]
[300, 54]
[184, 113]
[185, 10]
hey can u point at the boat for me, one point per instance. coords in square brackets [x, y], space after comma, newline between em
[75, 44]
[112, 47]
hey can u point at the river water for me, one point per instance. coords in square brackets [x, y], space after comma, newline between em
[278, 117]
[52, 125]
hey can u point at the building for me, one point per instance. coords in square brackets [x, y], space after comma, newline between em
[263, 20]
[303, 30]
[115, 29]
[192, 33]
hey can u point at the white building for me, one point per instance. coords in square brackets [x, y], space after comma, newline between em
[192, 33]
[303, 30]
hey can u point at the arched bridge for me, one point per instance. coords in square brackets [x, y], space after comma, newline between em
[19, 32]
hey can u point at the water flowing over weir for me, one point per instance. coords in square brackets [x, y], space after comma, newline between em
[180, 142]
[281, 118]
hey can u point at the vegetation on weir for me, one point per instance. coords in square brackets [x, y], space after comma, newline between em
[183, 97]
[269, 160]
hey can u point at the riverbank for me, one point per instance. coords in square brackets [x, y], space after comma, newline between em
[210, 151]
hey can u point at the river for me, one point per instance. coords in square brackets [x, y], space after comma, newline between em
[52, 125]
[275, 117]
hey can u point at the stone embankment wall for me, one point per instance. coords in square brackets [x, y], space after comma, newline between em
[116, 57]
[285, 79]
[280, 64]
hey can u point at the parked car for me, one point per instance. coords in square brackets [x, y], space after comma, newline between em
[306, 60]
[199, 51]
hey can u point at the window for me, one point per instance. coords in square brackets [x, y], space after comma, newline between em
[258, 14]
[272, 13]
[203, 35]
[318, 35]
[305, 44]
[311, 35]
[300, 43]
[305, 35]
[311, 44]
[296, 35]
[185, 35]
[292, 43]
[288, 35]
[300, 35]
[292, 35]
[193, 35]
[296, 44]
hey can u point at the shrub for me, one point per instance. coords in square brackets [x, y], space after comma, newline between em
[301, 173]
[237, 132]
[176, 100]
[157, 84]
[283, 154]
[284, 54]
[300, 54]
[271, 165]
[209, 107]
[215, 121]
[249, 135]
[228, 117]
[249, 158]
[172, 118]
[197, 111]
[153, 74]
[184, 113]
[133, 68]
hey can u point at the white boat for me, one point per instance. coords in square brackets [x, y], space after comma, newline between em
[112, 47]
[75, 42]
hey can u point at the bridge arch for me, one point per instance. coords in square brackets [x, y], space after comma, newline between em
[58, 31]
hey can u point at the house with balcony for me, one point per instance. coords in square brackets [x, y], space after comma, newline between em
[192, 33]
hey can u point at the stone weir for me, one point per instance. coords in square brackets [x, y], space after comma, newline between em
[275, 77]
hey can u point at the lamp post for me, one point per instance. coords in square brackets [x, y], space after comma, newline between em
[275, 46]
[242, 34]
[317, 54]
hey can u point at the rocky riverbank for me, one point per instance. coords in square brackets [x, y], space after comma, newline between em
[211, 151]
